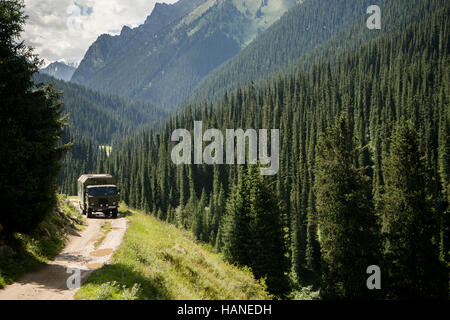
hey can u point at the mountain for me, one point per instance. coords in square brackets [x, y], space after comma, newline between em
[95, 119]
[107, 48]
[309, 33]
[177, 46]
[307, 26]
[59, 70]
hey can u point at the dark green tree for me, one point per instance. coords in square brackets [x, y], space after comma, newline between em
[235, 230]
[267, 247]
[348, 228]
[30, 129]
[313, 246]
[409, 223]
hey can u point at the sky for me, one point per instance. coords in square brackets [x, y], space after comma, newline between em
[63, 30]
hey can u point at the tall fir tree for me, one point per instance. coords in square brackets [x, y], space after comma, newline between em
[30, 128]
[267, 246]
[235, 230]
[347, 223]
[409, 223]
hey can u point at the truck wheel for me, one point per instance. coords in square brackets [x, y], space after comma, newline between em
[89, 213]
[114, 213]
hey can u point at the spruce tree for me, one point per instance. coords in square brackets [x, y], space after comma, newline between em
[313, 246]
[444, 170]
[198, 225]
[235, 228]
[30, 129]
[347, 222]
[267, 247]
[410, 223]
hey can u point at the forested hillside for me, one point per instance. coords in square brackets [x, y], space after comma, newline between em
[379, 114]
[95, 121]
[309, 33]
[99, 116]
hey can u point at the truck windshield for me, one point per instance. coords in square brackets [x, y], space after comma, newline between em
[102, 191]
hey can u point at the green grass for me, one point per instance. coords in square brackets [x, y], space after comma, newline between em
[158, 261]
[27, 252]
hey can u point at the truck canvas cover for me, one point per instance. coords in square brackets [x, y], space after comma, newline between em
[97, 179]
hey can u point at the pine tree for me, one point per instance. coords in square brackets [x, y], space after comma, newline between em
[198, 226]
[346, 219]
[312, 246]
[30, 130]
[444, 170]
[267, 247]
[235, 227]
[409, 223]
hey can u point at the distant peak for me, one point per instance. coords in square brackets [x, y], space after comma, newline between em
[160, 8]
[125, 30]
[161, 4]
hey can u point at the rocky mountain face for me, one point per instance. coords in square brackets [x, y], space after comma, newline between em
[59, 71]
[178, 45]
[106, 48]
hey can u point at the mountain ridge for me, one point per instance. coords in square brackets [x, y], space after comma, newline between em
[59, 70]
[98, 116]
[263, 60]
[164, 66]
[106, 47]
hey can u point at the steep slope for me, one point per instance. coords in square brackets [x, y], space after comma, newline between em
[306, 26]
[311, 32]
[100, 116]
[107, 48]
[59, 70]
[164, 66]
[157, 261]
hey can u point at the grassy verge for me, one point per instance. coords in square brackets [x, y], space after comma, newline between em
[27, 252]
[158, 261]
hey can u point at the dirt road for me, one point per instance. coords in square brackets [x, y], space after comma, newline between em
[86, 251]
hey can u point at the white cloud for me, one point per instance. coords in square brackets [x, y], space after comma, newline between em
[64, 29]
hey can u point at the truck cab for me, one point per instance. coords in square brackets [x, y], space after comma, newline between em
[98, 193]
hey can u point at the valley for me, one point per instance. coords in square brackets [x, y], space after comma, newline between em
[179, 110]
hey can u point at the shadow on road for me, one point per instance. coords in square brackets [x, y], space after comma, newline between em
[52, 277]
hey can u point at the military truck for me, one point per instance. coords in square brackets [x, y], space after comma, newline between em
[98, 193]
